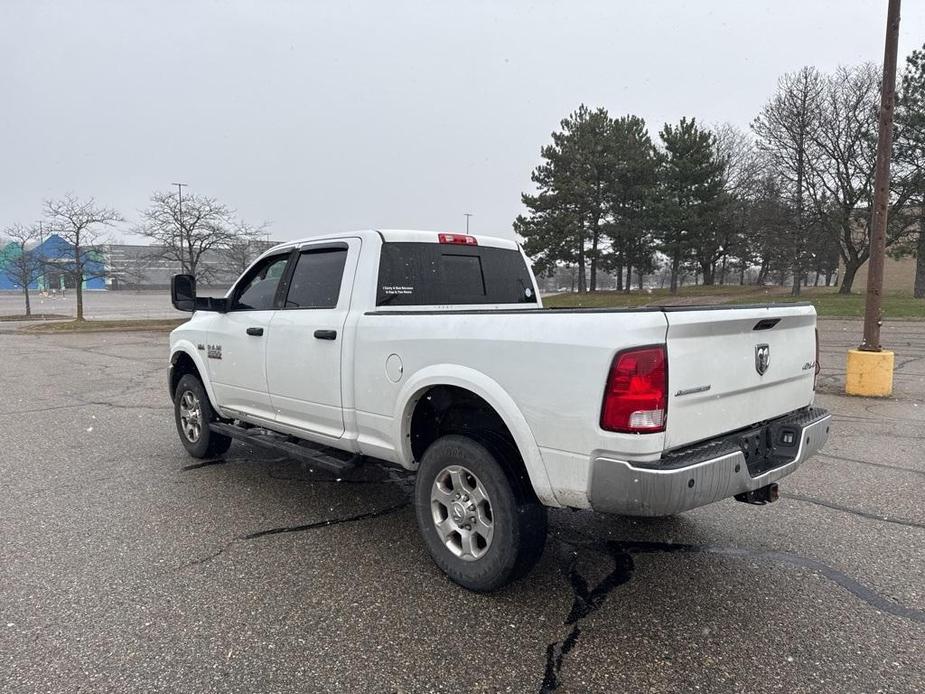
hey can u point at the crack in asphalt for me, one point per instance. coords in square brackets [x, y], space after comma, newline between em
[394, 476]
[902, 364]
[97, 351]
[585, 601]
[855, 511]
[867, 462]
[869, 409]
[840, 578]
[84, 403]
[204, 463]
[296, 529]
[856, 418]
[327, 522]
[124, 406]
[866, 434]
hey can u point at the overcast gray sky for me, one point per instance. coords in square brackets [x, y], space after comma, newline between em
[330, 116]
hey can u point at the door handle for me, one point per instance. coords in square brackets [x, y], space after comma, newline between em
[326, 334]
[256, 332]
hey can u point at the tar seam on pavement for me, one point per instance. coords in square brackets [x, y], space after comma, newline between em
[296, 529]
[586, 601]
[855, 511]
[867, 462]
[399, 478]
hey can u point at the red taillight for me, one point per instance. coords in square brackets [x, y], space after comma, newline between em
[460, 239]
[636, 398]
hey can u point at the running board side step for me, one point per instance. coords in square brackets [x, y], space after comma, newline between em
[318, 456]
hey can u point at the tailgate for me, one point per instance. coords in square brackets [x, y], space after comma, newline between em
[729, 368]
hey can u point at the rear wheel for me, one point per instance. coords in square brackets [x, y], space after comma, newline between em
[483, 528]
[193, 412]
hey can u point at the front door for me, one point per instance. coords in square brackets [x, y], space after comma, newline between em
[306, 339]
[238, 340]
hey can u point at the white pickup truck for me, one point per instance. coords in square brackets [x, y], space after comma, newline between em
[432, 351]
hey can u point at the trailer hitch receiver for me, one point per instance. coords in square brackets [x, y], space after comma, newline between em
[765, 495]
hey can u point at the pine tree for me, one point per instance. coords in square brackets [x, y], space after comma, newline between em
[909, 158]
[568, 212]
[631, 193]
[690, 199]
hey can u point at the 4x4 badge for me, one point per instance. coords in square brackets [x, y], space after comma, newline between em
[762, 358]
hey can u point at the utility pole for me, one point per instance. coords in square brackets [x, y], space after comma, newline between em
[467, 214]
[180, 187]
[881, 184]
[870, 367]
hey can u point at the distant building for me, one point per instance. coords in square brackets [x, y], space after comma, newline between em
[58, 274]
[122, 266]
[898, 275]
[130, 266]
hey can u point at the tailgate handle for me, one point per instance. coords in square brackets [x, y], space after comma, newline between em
[256, 332]
[326, 334]
[766, 323]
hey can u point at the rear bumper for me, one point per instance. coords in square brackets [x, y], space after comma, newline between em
[706, 473]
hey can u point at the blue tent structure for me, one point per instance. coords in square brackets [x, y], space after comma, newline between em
[58, 256]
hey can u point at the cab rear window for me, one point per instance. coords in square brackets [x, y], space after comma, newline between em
[429, 274]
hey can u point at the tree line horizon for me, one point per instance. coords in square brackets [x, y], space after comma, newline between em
[789, 197]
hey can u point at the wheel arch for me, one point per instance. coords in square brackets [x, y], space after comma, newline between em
[185, 359]
[494, 396]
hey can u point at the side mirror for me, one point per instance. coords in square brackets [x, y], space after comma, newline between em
[183, 292]
[183, 296]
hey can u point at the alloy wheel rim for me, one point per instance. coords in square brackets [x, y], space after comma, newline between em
[190, 416]
[462, 512]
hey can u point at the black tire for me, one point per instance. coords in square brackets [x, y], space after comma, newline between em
[206, 444]
[517, 518]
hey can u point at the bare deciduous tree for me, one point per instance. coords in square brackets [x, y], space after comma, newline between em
[244, 249]
[24, 265]
[843, 161]
[785, 128]
[79, 223]
[742, 169]
[187, 229]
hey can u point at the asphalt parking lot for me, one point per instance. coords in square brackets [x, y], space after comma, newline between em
[127, 566]
[99, 304]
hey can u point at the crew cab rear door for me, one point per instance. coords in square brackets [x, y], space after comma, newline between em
[729, 368]
[307, 337]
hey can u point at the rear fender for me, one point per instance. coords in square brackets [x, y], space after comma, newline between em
[492, 393]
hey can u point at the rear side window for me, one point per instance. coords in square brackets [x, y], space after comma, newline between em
[428, 274]
[316, 279]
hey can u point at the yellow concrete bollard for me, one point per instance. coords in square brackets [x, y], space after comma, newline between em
[869, 373]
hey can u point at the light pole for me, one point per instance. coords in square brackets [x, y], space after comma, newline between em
[467, 215]
[180, 187]
[44, 264]
[870, 367]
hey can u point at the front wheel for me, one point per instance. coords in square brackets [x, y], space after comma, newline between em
[480, 525]
[193, 412]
